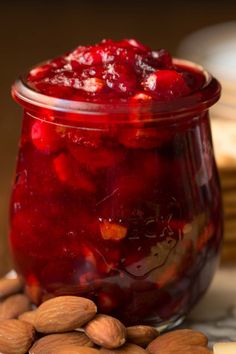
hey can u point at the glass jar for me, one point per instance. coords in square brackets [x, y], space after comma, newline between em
[218, 54]
[118, 203]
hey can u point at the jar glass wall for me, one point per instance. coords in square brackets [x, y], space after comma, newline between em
[122, 206]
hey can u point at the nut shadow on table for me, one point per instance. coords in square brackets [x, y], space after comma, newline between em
[32, 31]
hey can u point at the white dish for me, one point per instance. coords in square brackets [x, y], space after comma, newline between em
[213, 47]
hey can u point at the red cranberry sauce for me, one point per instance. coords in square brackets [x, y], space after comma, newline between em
[128, 214]
[114, 71]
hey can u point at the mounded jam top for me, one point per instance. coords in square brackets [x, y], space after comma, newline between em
[110, 71]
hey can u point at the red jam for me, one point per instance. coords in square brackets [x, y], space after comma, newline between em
[125, 212]
[114, 71]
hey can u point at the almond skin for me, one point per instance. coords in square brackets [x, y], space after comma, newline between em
[141, 335]
[16, 337]
[74, 349]
[14, 306]
[64, 314]
[106, 331]
[10, 286]
[126, 349]
[190, 349]
[28, 317]
[176, 339]
[54, 342]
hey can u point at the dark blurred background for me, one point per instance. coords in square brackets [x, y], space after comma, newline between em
[31, 31]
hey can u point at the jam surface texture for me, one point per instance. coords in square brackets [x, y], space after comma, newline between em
[114, 72]
[126, 214]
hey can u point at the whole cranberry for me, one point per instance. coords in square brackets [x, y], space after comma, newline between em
[142, 138]
[45, 137]
[166, 84]
[135, 44]
[70, 174]
[161, 58]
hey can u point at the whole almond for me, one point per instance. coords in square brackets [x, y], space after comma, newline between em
[63, 314]
[74, 349]
[28, 317]
[14, 306]
[190, 349]
[53, 342]
[10, 286]
[141, 335]
[177, 338]
[106, 331]
[126, 349]
[16, 336]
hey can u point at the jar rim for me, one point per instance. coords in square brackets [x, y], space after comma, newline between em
[199, 100]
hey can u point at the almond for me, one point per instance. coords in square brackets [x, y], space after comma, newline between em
[190, 349]
[141, 335]
[106, 331]
[14, 306]
[126, 349]
[16, 337]
[63, 314]
[10, 286]
[74, 349]
[53, 342]
[175, 339]
[28, 317]
[225, 348]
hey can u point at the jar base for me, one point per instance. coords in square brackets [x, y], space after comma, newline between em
[169, 325]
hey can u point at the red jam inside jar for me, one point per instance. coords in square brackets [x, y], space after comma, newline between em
[116, 195]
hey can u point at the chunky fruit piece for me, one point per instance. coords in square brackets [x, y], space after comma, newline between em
[95, 159]
[166, 84]
[170, 274]
[143, 138]
[205, 236]
[33, 289]
[120, 78]
[135, 44]
[141, 97]
[93, 85]
[107, 301]
[162, 58]
[113, 71]
[112, 231]
[69, 173]
[82, 137]
[39, 73]
[83, 56]
[88, 255]
[45, 138]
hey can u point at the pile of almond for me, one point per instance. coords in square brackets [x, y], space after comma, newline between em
[71, 325]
